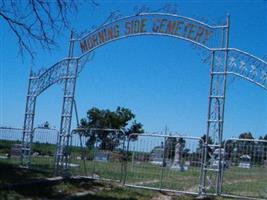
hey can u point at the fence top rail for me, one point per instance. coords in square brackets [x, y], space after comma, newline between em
[11, 128]
[97, 129]
[245, 140]
[43, 128]
[165, 136]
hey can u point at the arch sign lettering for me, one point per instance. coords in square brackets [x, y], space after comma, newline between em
[223, 61]
[151, 24]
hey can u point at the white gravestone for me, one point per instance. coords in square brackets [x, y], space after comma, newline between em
[177, 163]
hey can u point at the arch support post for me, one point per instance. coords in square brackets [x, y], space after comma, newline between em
[62, 155]
[212, 168]
[27, 137]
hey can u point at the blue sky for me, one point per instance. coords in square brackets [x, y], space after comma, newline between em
[161, 79]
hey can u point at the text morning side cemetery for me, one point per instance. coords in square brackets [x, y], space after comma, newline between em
[180, 28]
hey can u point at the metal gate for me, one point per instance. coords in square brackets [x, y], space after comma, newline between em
[245, 168]
[42, 148]
[98, 153]
[164, 162]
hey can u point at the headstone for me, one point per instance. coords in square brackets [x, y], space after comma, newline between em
[156, 156]
[15, 150]
[245, 161]
[35, 154]
[178, 163]
[101, 156]
[217, 157]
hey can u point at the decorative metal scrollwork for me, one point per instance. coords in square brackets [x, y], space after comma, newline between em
[248, 67]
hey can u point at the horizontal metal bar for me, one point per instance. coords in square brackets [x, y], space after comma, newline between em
[97, 129]
[42, 128]
[158, 189]
[172, 136]
[34, 77]
[240, 197]
[246, 140]
[15, 129]
[217, 97]
[66, 115]
[68, 77]
[68, 96]
[218, 73]
[217, 120]
[210, 169]
[29, 113]
[214, 145]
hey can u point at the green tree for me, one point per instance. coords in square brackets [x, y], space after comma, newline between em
[107, 128]
[246, 147]
[246, 135]
[203, 140]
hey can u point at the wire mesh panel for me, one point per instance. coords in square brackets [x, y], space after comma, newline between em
[183, 164]
[43, 149]
[245, 171]
[10, 145]
[81, 155]
[164, 162]
[100, 154]
[145, 159]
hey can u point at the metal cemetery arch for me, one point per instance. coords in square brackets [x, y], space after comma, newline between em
[213, 39]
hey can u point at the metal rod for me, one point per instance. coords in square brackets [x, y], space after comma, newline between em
[65, 124]
[220, 174]
[204, 157]
[83, 153]
[163, 163]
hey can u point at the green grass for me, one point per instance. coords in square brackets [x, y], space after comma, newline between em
[237, 181]
[246, 182]
[92, 190]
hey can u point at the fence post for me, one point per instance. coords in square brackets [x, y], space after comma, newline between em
[126, 153]
[163, 163]
[121, 158]
[201, 191]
